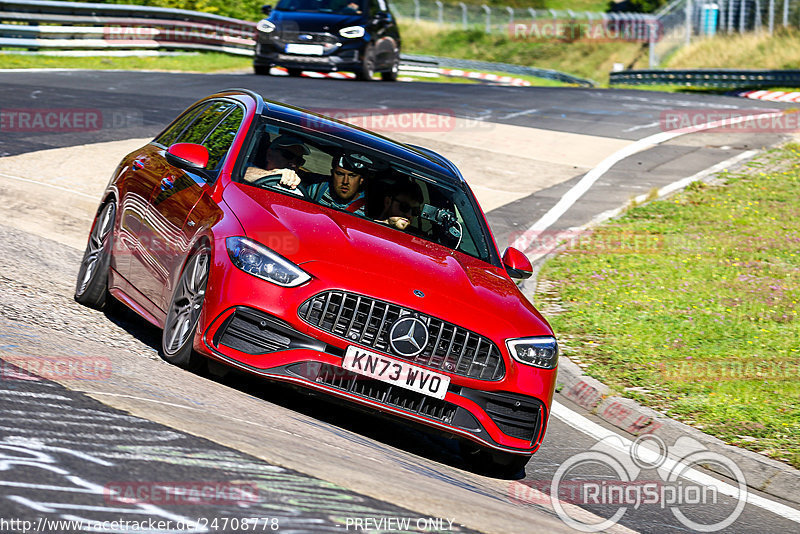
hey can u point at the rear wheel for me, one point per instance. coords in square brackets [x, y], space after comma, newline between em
[92, 286]
[184, 312]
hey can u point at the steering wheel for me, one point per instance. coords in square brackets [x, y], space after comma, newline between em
[274, 181]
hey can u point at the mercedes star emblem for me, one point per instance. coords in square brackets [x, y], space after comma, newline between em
[408, 336]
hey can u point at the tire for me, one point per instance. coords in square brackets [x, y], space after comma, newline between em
[184, 312]
[367, 71]
[91, 288]
[261, 70]
[391, 76]
[493, 463]
[294, 73]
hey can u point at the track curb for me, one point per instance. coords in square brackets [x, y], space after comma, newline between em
[761, 473]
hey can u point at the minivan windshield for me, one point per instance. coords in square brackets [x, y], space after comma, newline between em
[343, 7]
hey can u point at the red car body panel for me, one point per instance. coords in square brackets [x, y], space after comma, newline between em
[165, 213]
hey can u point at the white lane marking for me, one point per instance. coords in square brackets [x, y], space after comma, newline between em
[641, 126]
[595, 431]
[519, 114]
[28, 180]
[34, 395]
[589, 179]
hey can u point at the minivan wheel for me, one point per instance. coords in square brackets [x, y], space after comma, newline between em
[367, 66]
[391, 76]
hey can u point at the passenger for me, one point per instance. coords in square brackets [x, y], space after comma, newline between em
[401, 203]
[283, 157]
[343, 189]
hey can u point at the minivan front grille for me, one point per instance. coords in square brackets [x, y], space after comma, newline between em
[368, 321]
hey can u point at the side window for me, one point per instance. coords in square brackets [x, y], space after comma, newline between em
[169, 135]
[221, 138]
[203, 124]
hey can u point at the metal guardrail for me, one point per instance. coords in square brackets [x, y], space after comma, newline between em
[720, 78]
[37, 24]
[496, 67]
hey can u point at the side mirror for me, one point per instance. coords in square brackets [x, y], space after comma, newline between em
[517, 264]
[188, 156]
[381, 16]
[266, 10]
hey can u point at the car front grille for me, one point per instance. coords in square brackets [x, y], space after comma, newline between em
[288, 36]
[368, 321]
[382, 392]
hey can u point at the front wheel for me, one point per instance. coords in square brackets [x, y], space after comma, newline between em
[184, 312]
[367, 71]
[494, 463]
[391, 76]
[92, 286]
[294, 73]
[261, 70]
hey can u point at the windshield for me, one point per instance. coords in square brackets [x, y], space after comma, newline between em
[353, 179]
[343, 7]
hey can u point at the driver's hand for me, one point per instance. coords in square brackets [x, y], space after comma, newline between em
[401, 223]
[289, 178]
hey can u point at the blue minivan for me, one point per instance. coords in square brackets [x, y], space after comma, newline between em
[359, 36]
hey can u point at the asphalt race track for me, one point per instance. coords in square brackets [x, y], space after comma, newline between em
[279, 460]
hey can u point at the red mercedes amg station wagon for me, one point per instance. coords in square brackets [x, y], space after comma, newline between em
[301, 249]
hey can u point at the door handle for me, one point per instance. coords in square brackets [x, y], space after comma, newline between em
[138, 165]
[167, 183]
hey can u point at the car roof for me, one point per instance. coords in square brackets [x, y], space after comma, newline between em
[419, 156]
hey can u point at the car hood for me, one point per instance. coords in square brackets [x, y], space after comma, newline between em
[348, 252]
[313, 22]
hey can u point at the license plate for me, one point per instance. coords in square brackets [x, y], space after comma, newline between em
[395, 372]
[305, 49]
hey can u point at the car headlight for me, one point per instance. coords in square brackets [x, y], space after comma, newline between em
[256, 259]
[535, 351]
[265, 26]
[352, 32]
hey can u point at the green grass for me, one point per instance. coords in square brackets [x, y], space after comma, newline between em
[692, 301]
[586, 59]
[201, 62]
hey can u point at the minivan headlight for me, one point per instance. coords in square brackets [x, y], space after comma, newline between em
[352, 32]
[265, 26]
[256, 259]
[535, 351]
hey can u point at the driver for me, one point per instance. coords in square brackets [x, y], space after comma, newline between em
[343, 189]
[401, 204]
[284, 156]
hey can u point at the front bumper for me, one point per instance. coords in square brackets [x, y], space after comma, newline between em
[257, 327]
[344, 57]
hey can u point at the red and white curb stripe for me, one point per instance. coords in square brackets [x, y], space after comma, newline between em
[280, 71]
[773, 96]
[425, 72]
[495, 78]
